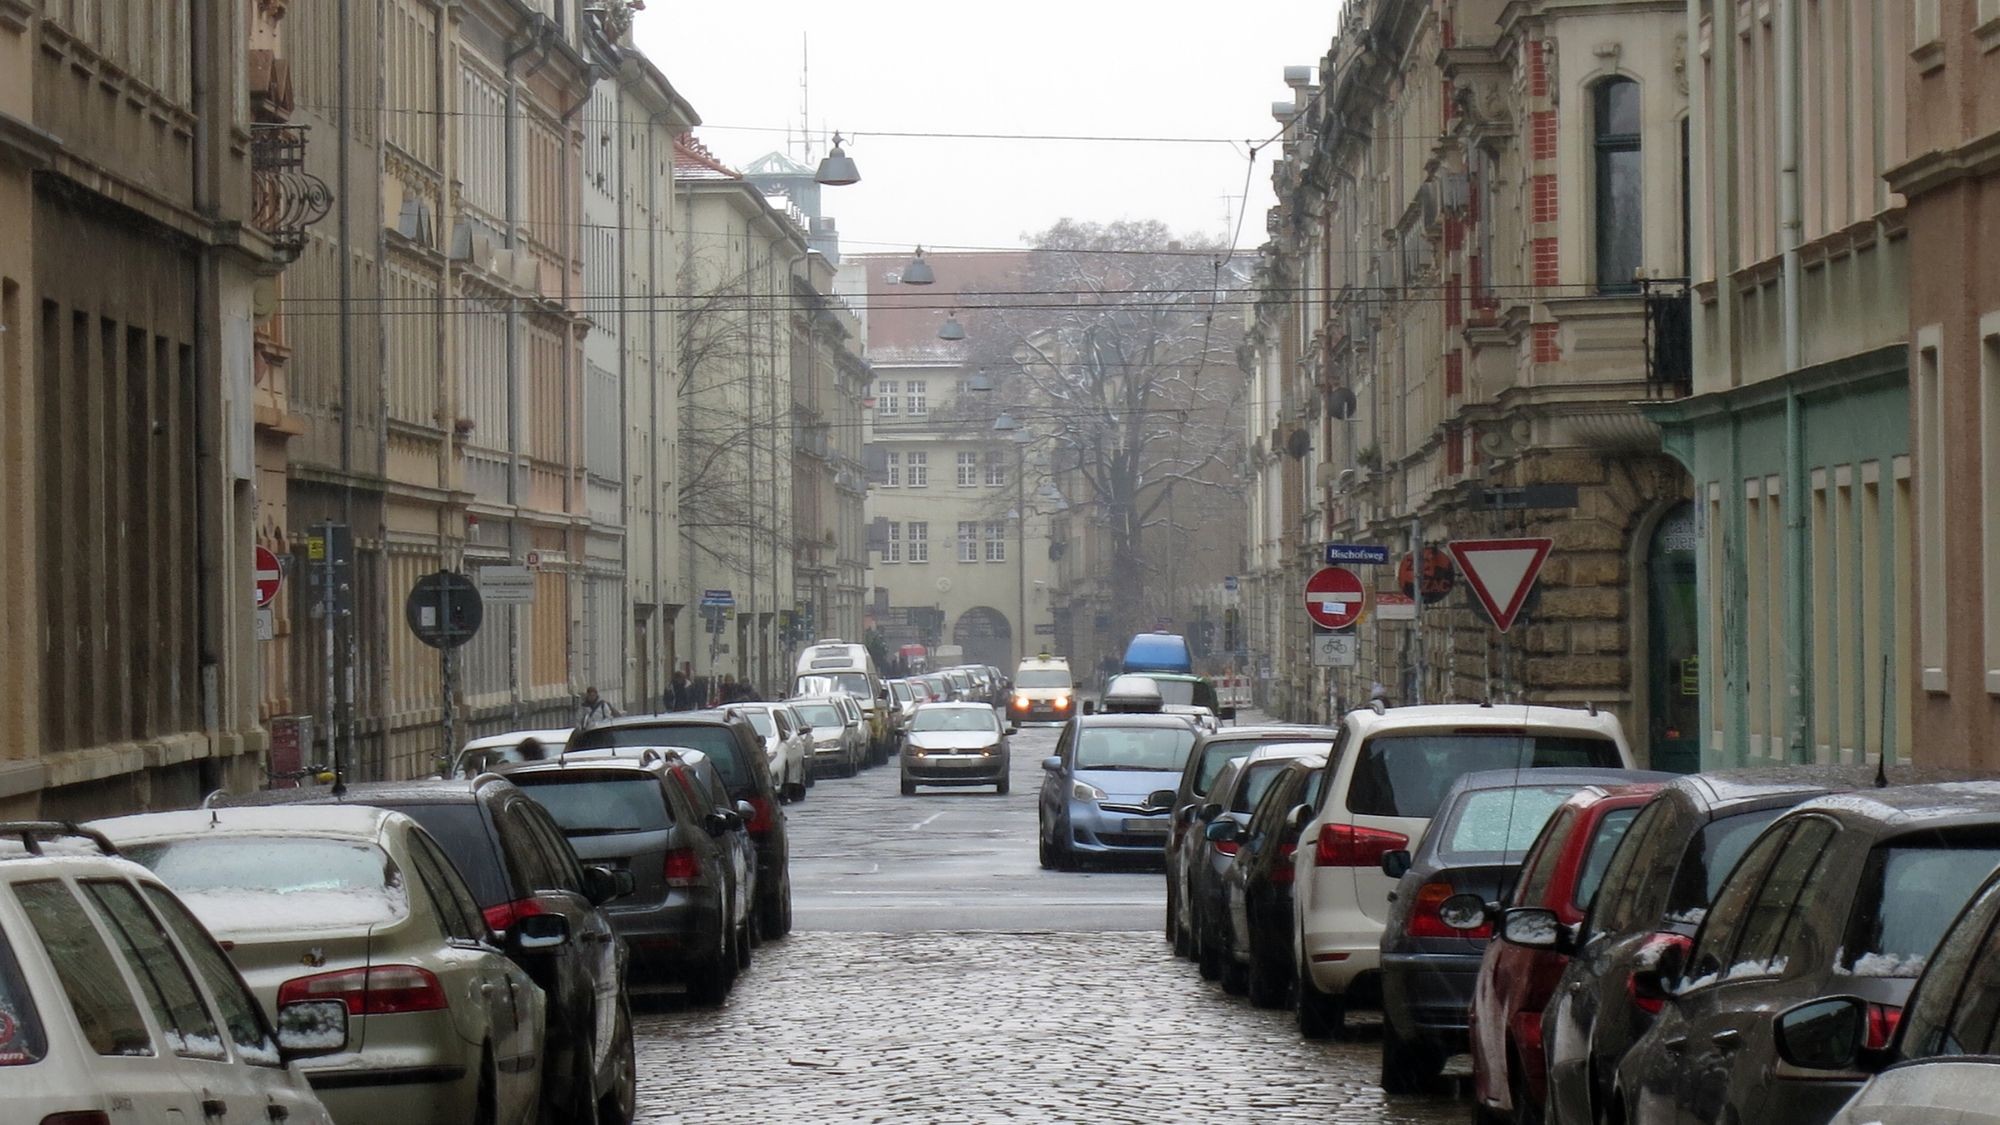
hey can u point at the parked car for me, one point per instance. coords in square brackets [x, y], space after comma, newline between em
[1193, 695]
[837, 739]
[1392, 767]
[731, 743]
[851, 670]
[1561, 873]
[1944, 1062]
[1257, 886]
[955, 744]
[787, 745]
[1205, 760]
[352, 923]
[1662, 877]
[1207, 854]
[1470, 856]
[1044, 691]
[89, 943]
[1847, 893]
[519, 867]
[484, 753]
[1102, 791]
[940, 687]
[906, 695]
[963, 689]
[666, 817]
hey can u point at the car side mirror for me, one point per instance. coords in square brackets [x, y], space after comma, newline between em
[1654, 986]
[1297, 818]
[599, 885]
[312, 1027]
[1226, 714]
[1465, 911]
[745, 812]
[1395, 863]
[1161, 799]
[1826, 1034]
[1223, 831]
[1533, 927]
[534, 932]
[1208, 812]
[1090, 707]
[718, 823]
[1052, 765]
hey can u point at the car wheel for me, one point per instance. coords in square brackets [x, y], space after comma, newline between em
[709, 978]
[576, 1100]
[1000, 787]
[743, 943]
[1207, 956]
[1173, 911]
[774, 914]
[1407, 1067]
[909, 788]
[1266, 981]
[1235, 975]
[621, 1101]
[1047, 852]
[1525, 1110]
[486, 1106]
[1319, 1016]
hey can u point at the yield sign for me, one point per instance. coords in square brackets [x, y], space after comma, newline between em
[1334, 597]
[1500, 572]
[265, 572]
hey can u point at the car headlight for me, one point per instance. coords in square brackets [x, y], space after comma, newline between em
[1085, 791]
[1062, 702]
[1020, 703]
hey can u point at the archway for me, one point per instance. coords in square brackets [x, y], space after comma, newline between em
[986, 637]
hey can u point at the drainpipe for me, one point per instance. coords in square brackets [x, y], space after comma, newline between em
[539, 38]
[1798, 654]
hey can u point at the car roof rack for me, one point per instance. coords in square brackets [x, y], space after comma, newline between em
[31, 833]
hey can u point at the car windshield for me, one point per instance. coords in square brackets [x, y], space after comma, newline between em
[1133, 748]
[1498, 825]
[851, 683]
[237, 882]
[822, 716]
[711, 739]
[1216, 755]
[21, 1037]
[1177, 693]
[1406, 775]
[1909, 894]
[600, 806]
[1256, 782]
[901, 693]
[954, 719]
[760, 721]
[1042, 678]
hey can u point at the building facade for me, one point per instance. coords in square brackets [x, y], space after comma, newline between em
[1951, 184]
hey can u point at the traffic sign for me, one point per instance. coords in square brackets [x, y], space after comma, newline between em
[267, 575]
[506, 585]
[1395, 607]
[1368, 554]
[443, 609]
[1500, 573]
[1229, 584]
[1334, 597]
[1437, 575]
[722, 598]
[1336, 650]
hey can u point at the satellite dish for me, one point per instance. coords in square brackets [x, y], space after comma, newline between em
[1342, 404]
[1299, 443]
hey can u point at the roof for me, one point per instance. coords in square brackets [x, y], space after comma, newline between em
[1267, 730]
[553, 735]
[1281, 751]
[777, 164]
[1546, 778]
[1945, 805]
[693, 161]
[957, 705]
[706, 717]
[1132, 719]
[1432, 716]
[434, 790]
[903, 320]
[362, 822]
[1761, 784]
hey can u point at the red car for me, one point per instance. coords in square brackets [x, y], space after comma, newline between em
[1560, 873]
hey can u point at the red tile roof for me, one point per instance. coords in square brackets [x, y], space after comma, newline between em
[693, 161]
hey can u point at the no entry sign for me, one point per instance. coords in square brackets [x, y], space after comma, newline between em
[1334, 597]
[266, 575]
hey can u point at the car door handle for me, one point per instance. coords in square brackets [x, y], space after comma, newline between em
[276, 1112]
[1728, 1039]
[214, 1107]
[1675, 1045]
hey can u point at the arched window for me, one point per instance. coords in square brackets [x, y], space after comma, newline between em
[1618, 219]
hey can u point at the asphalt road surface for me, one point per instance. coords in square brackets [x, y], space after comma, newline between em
[938, 974]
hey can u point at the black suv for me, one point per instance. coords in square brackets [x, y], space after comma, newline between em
[737, 751]
[516, 862]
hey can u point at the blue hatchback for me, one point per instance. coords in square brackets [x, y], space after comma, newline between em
[1109, 789]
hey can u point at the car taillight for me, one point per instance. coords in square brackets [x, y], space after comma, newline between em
[1882, 1021]
[760, 814]
[1646, 956]
[1226, 847]
[1425, 921]
[1348, 845]
[1281, 868]
[501, 917]
[375, 991]
[682, 868]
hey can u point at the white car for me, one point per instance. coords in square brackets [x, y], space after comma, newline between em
[1388, 768]
[352, 926]
[787, 745]
[482, 754]
[838, 740]
[117, 1006]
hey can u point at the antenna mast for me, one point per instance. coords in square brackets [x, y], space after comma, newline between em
[805, 98]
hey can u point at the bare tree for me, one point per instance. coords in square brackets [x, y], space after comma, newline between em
[1117, 357]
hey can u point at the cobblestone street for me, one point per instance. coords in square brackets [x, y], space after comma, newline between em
[1021, 1019]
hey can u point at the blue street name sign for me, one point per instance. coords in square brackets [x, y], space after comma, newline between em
[723, 598]
[1368, 554]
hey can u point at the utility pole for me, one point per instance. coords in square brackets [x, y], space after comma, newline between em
[1417, 594]
[1021, 545]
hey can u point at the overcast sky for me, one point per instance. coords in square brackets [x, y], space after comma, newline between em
[1076, 67]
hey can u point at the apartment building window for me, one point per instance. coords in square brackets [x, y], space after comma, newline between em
[968, 541]
[892, 470]
[893, 552]
[996, 469]
[920, 469]
[920, 541]
[1989, 476]
[919, 400]
[1615, 127]
[1930, 464]
[996, 541]
[968, 470]
[885, 396]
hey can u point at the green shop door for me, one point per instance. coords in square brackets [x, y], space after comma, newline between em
[1672, 668]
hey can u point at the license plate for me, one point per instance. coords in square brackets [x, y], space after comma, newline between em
[1153, 827]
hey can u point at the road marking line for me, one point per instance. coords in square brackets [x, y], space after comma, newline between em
[927, 819]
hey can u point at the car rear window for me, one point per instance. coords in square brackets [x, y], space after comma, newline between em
[716, 741]
[822, 716]
[22, 1040]
[1407, 774]
[1711, 856]
[1216, 755]
[760, 721]
[464, 834]
[1909, 894]
[600, 806]
[1498, 825]
[1133, 748]
[1256, 783]
[235, 883]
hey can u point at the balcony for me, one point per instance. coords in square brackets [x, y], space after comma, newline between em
[285, 198]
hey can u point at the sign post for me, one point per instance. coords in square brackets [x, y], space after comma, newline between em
[444, 610]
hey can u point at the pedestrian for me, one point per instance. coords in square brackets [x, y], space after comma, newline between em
[594, 710]
[677, 692]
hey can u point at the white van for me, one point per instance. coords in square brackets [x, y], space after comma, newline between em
[851, 671]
